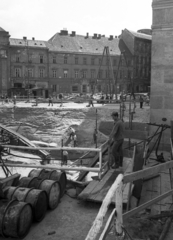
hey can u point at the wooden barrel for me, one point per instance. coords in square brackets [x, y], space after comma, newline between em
[53, 191]
[56, 176]
[15, 218]
[35, 172]
[37, 198]
[39, 202]
[26, 181]
[9, 191]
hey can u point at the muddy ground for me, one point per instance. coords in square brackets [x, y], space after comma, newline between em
[73, 218]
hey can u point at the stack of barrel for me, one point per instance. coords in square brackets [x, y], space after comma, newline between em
[29, 201]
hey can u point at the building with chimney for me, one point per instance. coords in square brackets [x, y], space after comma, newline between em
[67, 63]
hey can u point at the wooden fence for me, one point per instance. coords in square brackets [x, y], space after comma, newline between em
[116, 192]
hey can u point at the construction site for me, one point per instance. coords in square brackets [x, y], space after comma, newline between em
[57, 179]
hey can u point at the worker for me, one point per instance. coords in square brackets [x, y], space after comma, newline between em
[72, 133]
[65, 158]
[116, 140]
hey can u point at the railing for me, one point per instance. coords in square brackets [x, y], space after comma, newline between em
[116, 191]
[48, 166]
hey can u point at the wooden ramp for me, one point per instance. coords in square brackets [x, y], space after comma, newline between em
[97, 190]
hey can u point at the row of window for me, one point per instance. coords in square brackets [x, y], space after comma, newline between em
[65, 60]
[77, 73]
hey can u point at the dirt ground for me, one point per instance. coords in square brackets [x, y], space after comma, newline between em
[73, 218]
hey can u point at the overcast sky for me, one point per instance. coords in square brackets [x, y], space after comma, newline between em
[43, 18]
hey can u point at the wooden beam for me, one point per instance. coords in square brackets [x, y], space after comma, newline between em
[104, 148]
[95, 229]
[147, 172]
[145, 205]
[108, 225]
[5, 180]
[53, 167]
[53, 148]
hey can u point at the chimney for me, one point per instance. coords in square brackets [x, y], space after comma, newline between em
[73, 33]
[64, 32]
[95, 36]
[24, 38]
[33, 38]
[99, 36]
[110, 37]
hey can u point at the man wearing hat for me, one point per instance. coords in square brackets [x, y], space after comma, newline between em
[116, 139]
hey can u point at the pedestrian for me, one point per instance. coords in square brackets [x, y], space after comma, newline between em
[50, 101]
[2, 98]
[61, 97]
[14, 100]
[6, 99]
[141, 101]
[116, 140]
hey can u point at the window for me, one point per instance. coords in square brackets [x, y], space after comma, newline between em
[65, 59]
[92, 61]
[54, 87]
[100, 61]
[84, 61]
[30, 72]
[54, 73]
[17, 72]
[114, 62]
[129, 74]
[30, 58]
[76, 60]
[17, 58]
[115, 73]
[121, 74]
[54, 59]
[107, 61]
[65, 73]
[76, 73]
[74, 88]
[84, 74]
[100, 74]
[41, 58]
[84, 88]
[41, 72]
[92, 74]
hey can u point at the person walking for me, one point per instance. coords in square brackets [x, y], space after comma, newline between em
[141, 101]
[50, 101]
[61, 97]
[116, 140]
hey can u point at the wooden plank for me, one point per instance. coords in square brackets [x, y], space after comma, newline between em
[99, 193]
[98, 222]
[85, 194]
[145, 205]
[147, 172]
[94, 161]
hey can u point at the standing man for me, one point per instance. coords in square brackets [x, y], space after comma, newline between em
[50, 101]
[117, 138]
[61, 97]
[141, 100]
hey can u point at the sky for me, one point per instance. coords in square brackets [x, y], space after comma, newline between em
[43, 18]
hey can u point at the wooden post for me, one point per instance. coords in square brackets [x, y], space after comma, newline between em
[119, 206]
[100, 165]
[96, 128]
[98, 222]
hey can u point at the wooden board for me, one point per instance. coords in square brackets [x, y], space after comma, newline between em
[97, 190]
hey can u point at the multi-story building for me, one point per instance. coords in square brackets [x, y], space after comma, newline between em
[137, 47]
[66, 63]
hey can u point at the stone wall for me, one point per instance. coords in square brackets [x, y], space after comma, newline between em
[162, 65]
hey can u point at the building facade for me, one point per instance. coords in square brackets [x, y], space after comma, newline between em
[137, 47]
[67, 63]
[162, 66]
